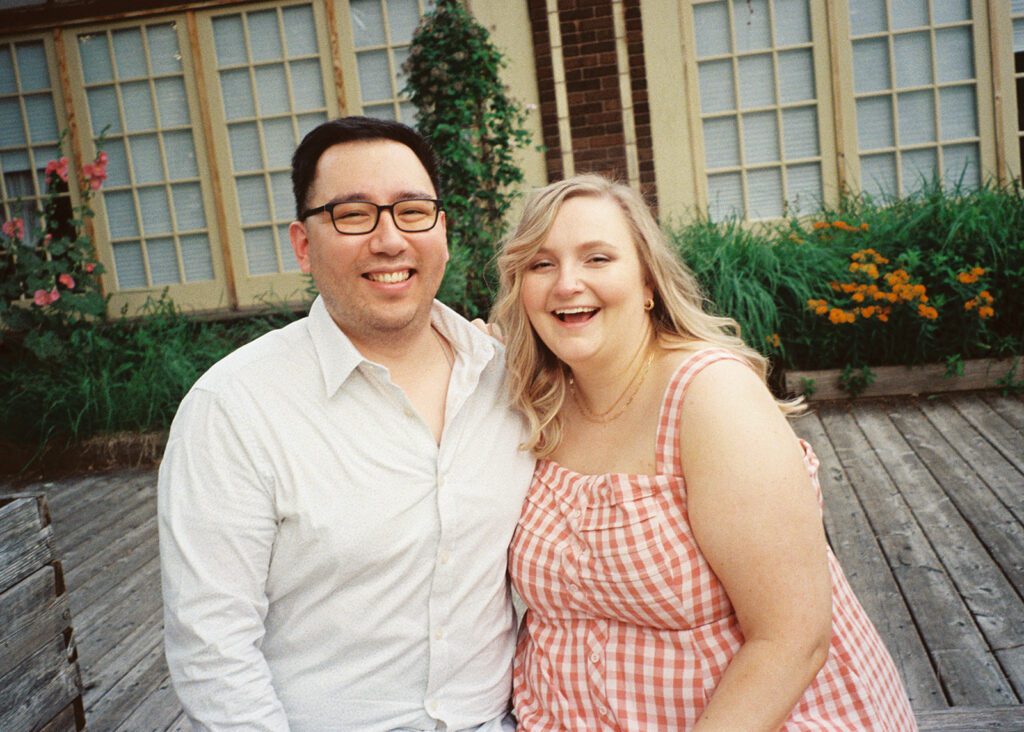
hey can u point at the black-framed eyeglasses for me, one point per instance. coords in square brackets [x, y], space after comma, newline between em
[361, 217]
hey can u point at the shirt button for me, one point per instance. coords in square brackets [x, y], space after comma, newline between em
[577, 513]
[438, 635]
[595, 658]
[432, 706]
[445, 556]
[602, 711]
[407, 412]
[574, 589]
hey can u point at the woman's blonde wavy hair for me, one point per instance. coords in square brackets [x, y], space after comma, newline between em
[538, 381]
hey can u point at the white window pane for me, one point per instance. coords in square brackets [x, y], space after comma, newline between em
[764, 192]
[163, 261]
[954, 54]
[121, 214]
[264, 36]
[138, 106]
[913, 59]
[721, 142]
[229, 40]
[95, 53]
[128, 265]
[407, 113]
[803, 183]
[367, 23]
[307, 85]
[757, 83]
[752, 28]
[271, 90]
[32, 67]
[260, 252]
[919, 167]
[103, 109]
[959, 111]
[761, 137]
[236, 91]
[307, 122]
[398, 57]
[252, 200]
[870, 65]
[156, 214]
[381, 111]
[374, 76]
[951, 11]
[1018, 35]
[288, 262]
[711, 26]
[188, 206]
[874, 123]
[800, 130]
[17, 179]
[867, 16]
[171, 100]
[181, 155]
[117, 167]
[280, 141]
[164, 55]
[796, 76]
[12, 129]
[910, 13]
[146, 163]
[284, 200]
[245, 147]
[878, 175]
[128, 54]
[8, 83]
[792, 22]
[725, 196]
[716, 86]
[42, 119]
[961, 166]
[195, 254]
[43, 155]
[403, 15]
[916, 111]
[299, 31]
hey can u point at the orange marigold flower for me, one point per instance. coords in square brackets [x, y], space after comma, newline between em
[864, 227]
[773, 340]
[868, 311]
[985, 311]
[919, 290]
[897, 276]
[848, 287]
[821, 225]
[857, 297]
[986, 296]
[835, 286]
[883, 317]
[966, 278]
[843, 226]
[927, 312]
[870, 270]
[795, 239]
[854, 266]
[892, 297]
[971, 304]
[837, 316]
[977, 271]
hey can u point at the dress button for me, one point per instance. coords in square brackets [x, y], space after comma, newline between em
[577, 513]
[595, 658]
[602, 711]
[574, 589]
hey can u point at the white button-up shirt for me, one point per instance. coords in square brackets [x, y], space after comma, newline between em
[326, 564]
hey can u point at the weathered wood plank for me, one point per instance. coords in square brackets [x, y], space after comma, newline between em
[141, 680]
[65, 721]
[115, 564]
[994, 428]
[867, 570]
[968, 671]
[971, 719]
[181, 724]
[1010, 408]
[159, 711]
[98, 530]
[101, 676]
[25, 539]
[38, 688]
[31, 613]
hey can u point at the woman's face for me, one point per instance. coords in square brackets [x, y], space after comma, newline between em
[583, 291]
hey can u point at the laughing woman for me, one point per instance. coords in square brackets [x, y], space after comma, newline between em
[671, 550]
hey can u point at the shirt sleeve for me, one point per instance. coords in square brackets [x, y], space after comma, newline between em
[217, 525]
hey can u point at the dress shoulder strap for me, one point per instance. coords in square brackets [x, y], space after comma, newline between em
[669, 462]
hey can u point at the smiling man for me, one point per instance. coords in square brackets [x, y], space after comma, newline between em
[337, 497]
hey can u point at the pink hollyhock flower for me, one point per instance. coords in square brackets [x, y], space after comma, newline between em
[47, 239]
[59, 168]
[89, 267]
[67, 280]
[15, 228]
[42, 298]
[95, 174]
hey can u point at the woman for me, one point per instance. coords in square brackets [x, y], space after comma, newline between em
[671, 550]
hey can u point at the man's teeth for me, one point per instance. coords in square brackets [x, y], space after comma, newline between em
[574, 311]
[389, 277]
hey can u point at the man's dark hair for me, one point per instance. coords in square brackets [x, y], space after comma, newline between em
[351, 129]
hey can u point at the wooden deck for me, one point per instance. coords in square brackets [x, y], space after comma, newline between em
[924, 507]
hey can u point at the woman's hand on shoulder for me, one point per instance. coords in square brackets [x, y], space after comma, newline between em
[491, 329]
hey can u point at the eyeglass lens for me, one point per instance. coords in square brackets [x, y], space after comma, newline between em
[361, 217]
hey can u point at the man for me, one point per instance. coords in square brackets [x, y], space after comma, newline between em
[337, 497]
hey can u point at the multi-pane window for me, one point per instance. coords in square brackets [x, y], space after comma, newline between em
[758, 106]
[29, 133]
[915, 86]
[382, 31]
[137, 102]
[272, 94]
[1017, 12]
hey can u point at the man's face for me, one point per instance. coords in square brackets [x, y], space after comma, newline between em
[376, 286]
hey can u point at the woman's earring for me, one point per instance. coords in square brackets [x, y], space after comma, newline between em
[649, 304]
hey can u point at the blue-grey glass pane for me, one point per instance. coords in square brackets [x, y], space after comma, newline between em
[146, 159]
[803, 187]
[711, 26]
[374, 76]
[307, 85]
[128, 265]
[138, 106]
[181, 155]
[751, 24]
[1018, 35]
[43, 154]
[910, 13]
[959, 112]
[961, 166]
[307, 122]
[299, 31]
[32, 67]
[163, 261]
[792, 22]
[253, 206]
[12, 129]
[195, 254]
[919, 168]
[757, 83]
[129, 54]
[8, 84]
[398, 57]
[117, 167]
[155, 212]
[42, 118]
[19, 183]
[800, 129]
[761, 138]
[875, 127]
[380, 111]
[95, 53]
[913, 59]
[264, 36]
[796, 76]
[188, 206]
[280, 141]
[403, 16]
[14, 160]
[407, 113]
[271, 90]
[916, 117]
[236, 94]
[721, 142]
[871, 65]
[951, 11]
[716, 86]
[229, 40]
[725, 196]
[284, 200]
[367, 23]
[245, 147]
[103, 110]
[172, 102]
[867, 16]
[764, 192]
[878, 175]
[121, 214]
[260, 252]
[954, 54]
[288, 261]
[164, 55]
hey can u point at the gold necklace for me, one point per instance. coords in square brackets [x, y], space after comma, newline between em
[633, 387]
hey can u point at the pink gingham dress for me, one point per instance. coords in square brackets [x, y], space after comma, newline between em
[628, 627]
